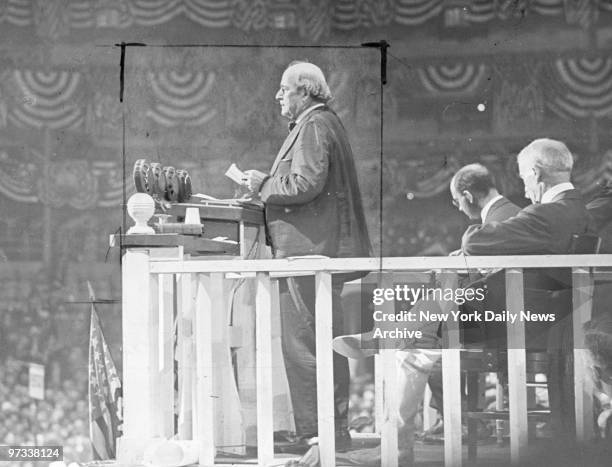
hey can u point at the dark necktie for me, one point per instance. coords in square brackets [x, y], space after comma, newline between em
[291, 126]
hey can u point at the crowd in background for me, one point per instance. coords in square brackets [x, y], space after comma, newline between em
[39, 324]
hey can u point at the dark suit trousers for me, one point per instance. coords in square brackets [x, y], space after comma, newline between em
[297, 307]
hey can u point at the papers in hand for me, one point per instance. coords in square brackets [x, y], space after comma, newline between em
[225, 239]
[235, 174]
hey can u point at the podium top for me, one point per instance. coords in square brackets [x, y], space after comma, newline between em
[225, 210]
[192, 244]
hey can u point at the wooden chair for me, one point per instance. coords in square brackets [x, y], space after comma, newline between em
[475, 361]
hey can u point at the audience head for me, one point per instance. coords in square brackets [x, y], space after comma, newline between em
[471, 188]
[302, 85]
[544, 163]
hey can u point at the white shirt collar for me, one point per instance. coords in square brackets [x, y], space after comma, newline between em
[554, 191]
[307, 111]
[487, 207]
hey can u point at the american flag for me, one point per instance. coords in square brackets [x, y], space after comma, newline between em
[105, 415]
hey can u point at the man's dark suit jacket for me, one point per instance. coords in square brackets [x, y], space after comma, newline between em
[501, 210]
[312, 199]
[537, 229]
[600, 208]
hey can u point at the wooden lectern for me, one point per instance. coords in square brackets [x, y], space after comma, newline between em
[158, 308]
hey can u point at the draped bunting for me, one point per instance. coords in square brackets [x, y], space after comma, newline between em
[77, 183]
[46, 99]
[581, 87]
[74, 100]
[457, 78]
[191, 98]
[87, 184]
[313, 19]
[17, 178]
[181, 98]
[17, 12]
[414, 12]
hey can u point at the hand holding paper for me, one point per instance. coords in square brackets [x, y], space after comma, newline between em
[254, 179]
[236, 174]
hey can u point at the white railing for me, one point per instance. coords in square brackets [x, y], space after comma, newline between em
[201, 293]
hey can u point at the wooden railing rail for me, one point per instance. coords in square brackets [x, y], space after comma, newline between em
[148, 349]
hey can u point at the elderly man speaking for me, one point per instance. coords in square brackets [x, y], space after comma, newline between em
[312, 207]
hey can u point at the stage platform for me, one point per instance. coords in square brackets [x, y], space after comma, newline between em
[540, 453]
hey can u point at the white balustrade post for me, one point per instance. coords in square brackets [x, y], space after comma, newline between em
[388, 359]
[451, 382]
[582, 297]
[205, 400]
[263, 358]
[325, 368]
[184, 345]
[164, 306]
[517, 373]
[139, 358]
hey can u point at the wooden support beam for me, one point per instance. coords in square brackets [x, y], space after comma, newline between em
[205, 407]
[263, 355]
[165, 355]
[582, 282]
[451, 382]
[389, 435]
[186, 368]
[138, 335]
[517, 376]
[325, 368]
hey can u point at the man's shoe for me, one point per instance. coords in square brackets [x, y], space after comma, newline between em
[369, 457]
[356, 345]
[301, 444]
[294, 445]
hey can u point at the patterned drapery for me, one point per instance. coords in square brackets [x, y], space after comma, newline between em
[313, 19]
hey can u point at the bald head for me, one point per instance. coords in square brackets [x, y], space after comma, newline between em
[302, 86]
[474, 178]
[471, 188]
[310, 78]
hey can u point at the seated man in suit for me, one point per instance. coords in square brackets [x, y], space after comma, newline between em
[474, 193]
[547, 226]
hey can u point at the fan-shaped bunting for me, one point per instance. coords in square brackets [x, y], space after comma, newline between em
[457, 78]
[17, 12]
[583, 87]
[47, 100]
[547, 7]
[180, 98]
[413, 12]
[17, 178]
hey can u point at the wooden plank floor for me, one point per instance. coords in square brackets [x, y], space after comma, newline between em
[541, 453]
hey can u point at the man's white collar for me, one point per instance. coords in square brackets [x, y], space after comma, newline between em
[487, 207]
[550, 194]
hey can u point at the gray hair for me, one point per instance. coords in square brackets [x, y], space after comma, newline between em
[550, 156]
[309, 77]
